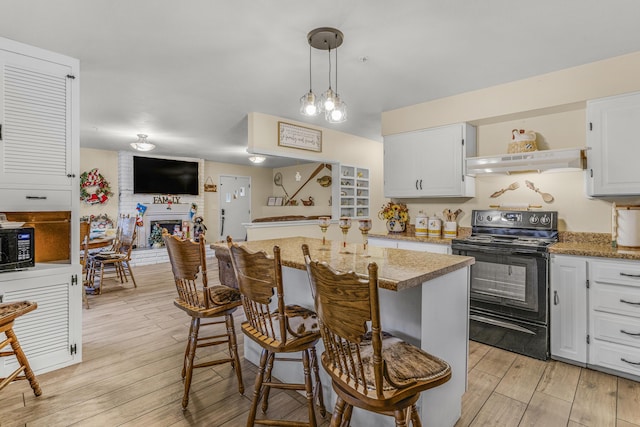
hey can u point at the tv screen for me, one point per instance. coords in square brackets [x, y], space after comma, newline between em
[163, 176]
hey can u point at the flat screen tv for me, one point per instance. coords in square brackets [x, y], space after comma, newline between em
[162, 176]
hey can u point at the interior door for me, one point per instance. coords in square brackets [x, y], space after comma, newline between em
[235, 206]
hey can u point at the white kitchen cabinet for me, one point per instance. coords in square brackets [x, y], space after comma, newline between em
[37, 97]
[39, 168]
[613, 149]
[410, 245]
[569, 308]
[614, 316]
[351, 194]
[51, 335]
[429, 162]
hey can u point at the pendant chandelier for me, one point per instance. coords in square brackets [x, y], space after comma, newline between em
[330, 103]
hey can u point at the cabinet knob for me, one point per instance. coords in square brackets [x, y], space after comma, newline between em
[555, 298]
[71, 175]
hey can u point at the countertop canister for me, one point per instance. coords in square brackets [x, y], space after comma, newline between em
[422, 224]
[435, 227]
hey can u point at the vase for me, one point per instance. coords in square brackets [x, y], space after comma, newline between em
[396, 226]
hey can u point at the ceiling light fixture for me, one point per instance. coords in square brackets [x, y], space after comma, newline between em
[142, 144]
[334, 108]
[257, 159]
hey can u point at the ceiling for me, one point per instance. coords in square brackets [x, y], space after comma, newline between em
[187, 72]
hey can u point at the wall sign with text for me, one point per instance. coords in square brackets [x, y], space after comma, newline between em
[299, 137]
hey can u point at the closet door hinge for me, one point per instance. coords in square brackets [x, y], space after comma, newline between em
[74, 280]
[588, 284]
[73, 349]
[71, 76]
[588, 339]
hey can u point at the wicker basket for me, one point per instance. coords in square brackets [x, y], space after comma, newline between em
[209, 186]
[521, 146]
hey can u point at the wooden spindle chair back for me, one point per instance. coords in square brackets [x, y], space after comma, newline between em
[348, 310]
[278, 331]
[119, 255]
[187, 263]
[85, 260]
[215, 304]
[259, 278]
[369, 369]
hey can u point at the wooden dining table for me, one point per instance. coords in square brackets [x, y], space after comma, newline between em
[100, 242]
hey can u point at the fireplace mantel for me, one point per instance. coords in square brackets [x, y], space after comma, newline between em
[128, 201]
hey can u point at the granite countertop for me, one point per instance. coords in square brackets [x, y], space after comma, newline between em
[570, 243]
[591, 245]
[590, 249]
[410, 236]
[397, 269]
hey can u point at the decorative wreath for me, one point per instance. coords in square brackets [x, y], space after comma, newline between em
[94, 188]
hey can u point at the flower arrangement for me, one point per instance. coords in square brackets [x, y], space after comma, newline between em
[397, 211]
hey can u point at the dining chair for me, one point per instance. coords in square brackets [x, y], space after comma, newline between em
[188, 261]
[369, 369]
[8, 314]
[119, 256]
[85, 261]
[287, 329]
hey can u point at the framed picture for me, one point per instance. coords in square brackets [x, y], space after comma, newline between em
[279, 201]
[271, 201]
[295, 136]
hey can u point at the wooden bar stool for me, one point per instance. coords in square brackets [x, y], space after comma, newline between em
[188, 261]
[369, 369]
[8, 313]
[288, 329]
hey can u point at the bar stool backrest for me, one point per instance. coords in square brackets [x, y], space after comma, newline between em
[187, 261]
[346, 305]
[259, 278]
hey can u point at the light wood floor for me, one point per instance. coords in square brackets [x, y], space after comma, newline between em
[134, 342]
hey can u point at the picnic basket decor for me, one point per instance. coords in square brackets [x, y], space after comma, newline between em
[209, 186]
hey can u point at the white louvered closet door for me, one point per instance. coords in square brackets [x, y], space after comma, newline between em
[35, 115]
[48, 334]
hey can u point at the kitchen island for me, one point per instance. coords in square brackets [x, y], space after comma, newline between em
[424, 299]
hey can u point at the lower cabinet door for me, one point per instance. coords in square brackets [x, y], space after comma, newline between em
[51, 334]
[568, 301]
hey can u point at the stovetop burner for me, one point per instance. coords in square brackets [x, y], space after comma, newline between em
[514, 240]
[513, 228]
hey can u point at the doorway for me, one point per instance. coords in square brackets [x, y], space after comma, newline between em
[235, 206]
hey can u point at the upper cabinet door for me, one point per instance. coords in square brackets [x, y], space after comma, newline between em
[612, 136]
[35, 115]
[429, 162]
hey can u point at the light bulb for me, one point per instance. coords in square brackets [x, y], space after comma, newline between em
[310, 110]
[336, 115]
[308, 104]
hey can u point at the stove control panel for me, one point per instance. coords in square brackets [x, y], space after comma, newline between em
[538, 220]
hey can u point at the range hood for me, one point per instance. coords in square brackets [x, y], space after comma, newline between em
[532, 161]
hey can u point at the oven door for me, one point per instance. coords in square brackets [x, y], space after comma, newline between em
[509, 282]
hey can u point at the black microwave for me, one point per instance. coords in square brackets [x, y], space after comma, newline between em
[17, 248]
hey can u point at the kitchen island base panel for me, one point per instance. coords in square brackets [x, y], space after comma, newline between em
[432, 316]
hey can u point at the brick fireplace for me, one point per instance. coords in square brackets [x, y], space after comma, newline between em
[177, 211]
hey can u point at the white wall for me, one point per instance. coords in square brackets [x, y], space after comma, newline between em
[553, 105]
[321, 195]
[107, 164]
[261, 182]
[336, 147]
